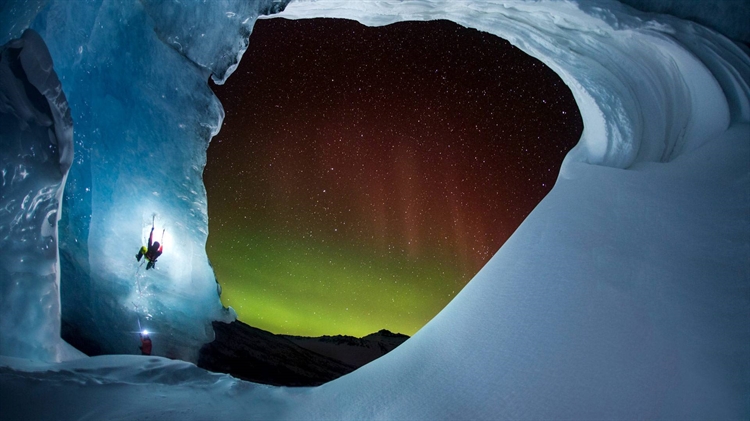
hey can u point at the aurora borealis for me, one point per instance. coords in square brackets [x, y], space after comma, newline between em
[364, 175]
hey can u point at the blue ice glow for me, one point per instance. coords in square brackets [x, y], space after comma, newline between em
[142, 128]
[36, 148]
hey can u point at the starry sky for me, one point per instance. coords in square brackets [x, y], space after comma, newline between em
[364, 175]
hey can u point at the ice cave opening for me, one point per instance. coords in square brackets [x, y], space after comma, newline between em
[624, 294]
[363, 175]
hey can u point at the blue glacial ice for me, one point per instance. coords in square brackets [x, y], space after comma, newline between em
[135, 76]
[625, 293]
[36, 140]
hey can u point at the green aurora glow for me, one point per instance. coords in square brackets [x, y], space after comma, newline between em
[364, 175]
[330, 290]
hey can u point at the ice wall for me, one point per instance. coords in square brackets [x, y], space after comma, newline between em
[730, 17]
[36, 148]
[135, 74]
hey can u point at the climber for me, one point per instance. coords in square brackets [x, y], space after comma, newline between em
[152, 252]
[145, 343]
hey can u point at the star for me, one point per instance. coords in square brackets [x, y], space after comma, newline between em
[377, 167]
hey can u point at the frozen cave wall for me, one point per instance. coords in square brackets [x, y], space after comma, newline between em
[135, 74]
[36, 148]
[730, 17]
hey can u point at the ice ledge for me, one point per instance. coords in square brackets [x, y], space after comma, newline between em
[214, 36]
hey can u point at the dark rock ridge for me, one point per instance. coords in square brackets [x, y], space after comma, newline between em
[259, 356]
[350, 350]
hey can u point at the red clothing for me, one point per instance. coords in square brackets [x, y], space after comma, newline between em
[152, 252]
[154, 249]
[145, 345]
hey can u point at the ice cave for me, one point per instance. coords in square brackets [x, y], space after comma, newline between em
[625, 293]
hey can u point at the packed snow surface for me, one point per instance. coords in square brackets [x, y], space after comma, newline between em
[625, 294]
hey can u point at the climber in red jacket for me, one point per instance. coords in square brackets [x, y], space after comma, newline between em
[152, 252]
[145, 343]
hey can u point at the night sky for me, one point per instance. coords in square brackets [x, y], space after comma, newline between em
[363, 175]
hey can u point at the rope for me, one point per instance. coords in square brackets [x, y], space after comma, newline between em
[138, 318]
[137, 282]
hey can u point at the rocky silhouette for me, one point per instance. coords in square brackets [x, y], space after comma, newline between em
[259, 356]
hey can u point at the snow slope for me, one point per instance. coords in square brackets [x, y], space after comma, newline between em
[625, 294]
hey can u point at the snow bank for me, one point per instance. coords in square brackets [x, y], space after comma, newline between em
[127, 387]
[626, 293]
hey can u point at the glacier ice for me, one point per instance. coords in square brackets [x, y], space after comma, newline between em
[136, 81]
[36, 144]
[625, 293]
[728, 16]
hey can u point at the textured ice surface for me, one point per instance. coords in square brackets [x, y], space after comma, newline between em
[36, 148]
[625, 294]
[728, 16]
[136, 77]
